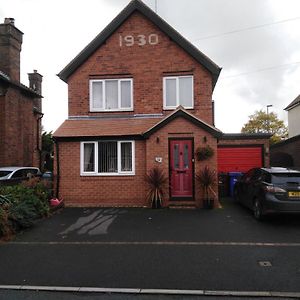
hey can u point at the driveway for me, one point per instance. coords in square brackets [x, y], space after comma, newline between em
[219, 250]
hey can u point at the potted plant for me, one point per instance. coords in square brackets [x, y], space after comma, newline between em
[157, 182]
[203, 153]
[207, 179]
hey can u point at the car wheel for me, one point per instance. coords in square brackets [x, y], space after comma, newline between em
[257, 210]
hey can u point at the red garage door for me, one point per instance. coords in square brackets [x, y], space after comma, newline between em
[239, 159]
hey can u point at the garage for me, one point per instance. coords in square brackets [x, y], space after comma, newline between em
[237, 153]
[239, 158]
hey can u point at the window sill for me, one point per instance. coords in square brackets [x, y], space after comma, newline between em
[175, 107]
[106, 174]
[110, 110]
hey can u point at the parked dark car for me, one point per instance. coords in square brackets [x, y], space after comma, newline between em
[267, 191]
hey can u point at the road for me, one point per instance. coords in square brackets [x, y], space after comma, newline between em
[220, 250]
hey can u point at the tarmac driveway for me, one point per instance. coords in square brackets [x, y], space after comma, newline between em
[232, 223]
[221, 249]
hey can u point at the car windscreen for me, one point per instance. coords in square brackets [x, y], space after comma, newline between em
[286, 178]
[4, 173]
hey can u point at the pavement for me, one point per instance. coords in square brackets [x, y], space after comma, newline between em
[216, 251]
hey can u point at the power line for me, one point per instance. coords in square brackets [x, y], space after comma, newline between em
[261, 70]
[246, 29]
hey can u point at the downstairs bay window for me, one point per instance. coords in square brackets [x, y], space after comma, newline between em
[107, 158]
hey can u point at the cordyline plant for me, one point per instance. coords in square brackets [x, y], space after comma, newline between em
[157, 182]
[207, 179]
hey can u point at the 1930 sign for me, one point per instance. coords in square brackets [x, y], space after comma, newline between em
[140, 40]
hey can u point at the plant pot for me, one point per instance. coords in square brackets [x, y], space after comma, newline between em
[208, 203]
[156, 204]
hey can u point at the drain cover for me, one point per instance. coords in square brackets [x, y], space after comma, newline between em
[265, 263]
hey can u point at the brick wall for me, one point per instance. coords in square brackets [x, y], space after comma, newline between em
[147, 65]
[19, 136]
[79, 190]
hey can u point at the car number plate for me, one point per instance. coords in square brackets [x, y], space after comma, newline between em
[294, 194]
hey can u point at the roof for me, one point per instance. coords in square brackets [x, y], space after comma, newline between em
[16, 168]
[125, 127]
[137, 5]
[293, 139]
[245, 136]
[6, 79]
[181, 112]
[293, 104]
[104, 127]
[280, 170]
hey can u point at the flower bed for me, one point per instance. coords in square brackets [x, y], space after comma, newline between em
[21, 204]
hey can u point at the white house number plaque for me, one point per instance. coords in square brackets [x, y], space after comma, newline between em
[140, 40]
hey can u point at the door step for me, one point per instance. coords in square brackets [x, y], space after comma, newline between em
[182, 205]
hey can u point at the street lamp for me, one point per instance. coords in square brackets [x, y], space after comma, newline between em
[269, 105]
[268, 120]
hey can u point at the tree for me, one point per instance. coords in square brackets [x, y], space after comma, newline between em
[261, 122]
[47, 151]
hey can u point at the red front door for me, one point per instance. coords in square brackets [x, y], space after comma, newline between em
[181, 169]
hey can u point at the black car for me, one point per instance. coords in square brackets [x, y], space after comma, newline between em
[266, 191]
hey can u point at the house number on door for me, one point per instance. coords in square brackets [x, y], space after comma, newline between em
[140, 40]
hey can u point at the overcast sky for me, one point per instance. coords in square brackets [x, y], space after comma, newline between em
[256, 42]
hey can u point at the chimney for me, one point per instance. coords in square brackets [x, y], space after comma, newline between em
[35, 81]
[10, 49]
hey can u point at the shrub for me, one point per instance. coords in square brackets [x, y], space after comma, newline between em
[206, 178]
[157, 182]
[23, 204]
[4, 224]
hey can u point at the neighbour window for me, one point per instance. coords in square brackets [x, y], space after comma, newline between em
[178, 91]
[111, 95]
[107, 158]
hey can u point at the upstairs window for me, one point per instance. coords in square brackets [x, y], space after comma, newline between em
[178, 90]
[111, 95]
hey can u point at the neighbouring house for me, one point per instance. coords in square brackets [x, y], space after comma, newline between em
[140, 96]
[293, 110]
[286, 153]
[20, 106]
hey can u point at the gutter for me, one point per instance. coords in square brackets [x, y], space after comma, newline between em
[57, 168]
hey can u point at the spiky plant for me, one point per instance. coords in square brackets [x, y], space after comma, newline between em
[157, 182]
[207, 179]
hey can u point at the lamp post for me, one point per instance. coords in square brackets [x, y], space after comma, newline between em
[268, 120]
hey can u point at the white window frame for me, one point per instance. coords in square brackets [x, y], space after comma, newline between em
[92, 109]
[177, 92]
[95, 173]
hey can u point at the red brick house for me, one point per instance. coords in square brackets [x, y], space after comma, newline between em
[140, 96]
[20, 106]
